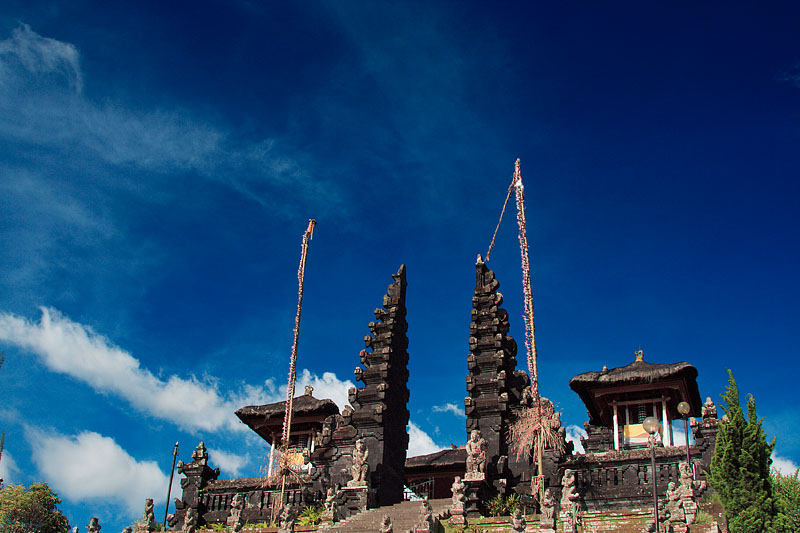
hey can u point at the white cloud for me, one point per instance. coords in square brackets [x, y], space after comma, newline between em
[41, 104]
[419, 442]
[76, 350]
[574, 434]
[39, 55]
[450, 408]
[783, 465]
[328, 386]
[8, 469]
[678, 435]
[192, 404]
[229, 463]
[91, 468]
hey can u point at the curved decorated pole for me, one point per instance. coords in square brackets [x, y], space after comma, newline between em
[287, 415]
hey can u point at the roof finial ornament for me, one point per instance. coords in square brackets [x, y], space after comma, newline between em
[639, 355]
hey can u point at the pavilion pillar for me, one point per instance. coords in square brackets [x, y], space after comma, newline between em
[271, 457]
[616, 428]
[667, 438]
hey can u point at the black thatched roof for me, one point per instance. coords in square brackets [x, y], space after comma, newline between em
[590, 386]
[440, 459]
[301, 405]
[634, 373]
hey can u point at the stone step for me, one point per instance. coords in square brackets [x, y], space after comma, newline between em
[405, 515]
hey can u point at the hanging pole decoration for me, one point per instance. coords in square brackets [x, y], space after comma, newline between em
[301, 272]
[536, 427]
[527, 291]
[287, 415]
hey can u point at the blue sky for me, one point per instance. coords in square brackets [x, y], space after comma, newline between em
[159, 163]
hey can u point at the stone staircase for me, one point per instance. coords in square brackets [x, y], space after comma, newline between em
[404, 515]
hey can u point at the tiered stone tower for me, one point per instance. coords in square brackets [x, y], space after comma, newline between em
[494, 386]
[380, 415]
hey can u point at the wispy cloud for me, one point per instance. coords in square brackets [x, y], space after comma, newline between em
[792, 75]
[91, 468]
[28, 51]
[193, 404]
[450, 408]
[8, 469]
[42, 105]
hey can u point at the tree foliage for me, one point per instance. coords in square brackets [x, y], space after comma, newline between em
[31, 510]
[787, 502]
[740, 468]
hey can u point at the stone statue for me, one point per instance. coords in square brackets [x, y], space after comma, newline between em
[709, 409]
[527, 396]
[360, 466]
[148, 521]
[476, 456]
[329, 515]
[190, 518]
[426, 522]
[457, 488]
[94, 526]
[386, 524]
[287, 519]
[569, 493]
[518, 522]
[674, 504]
[548, 507]
[235, 521]
[200, 455]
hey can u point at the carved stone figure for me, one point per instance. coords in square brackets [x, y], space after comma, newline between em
[674, 504]
[569, 493]
[287, 519]
[329, 515]
[235, 520]
[527, 396]
[360, 466]
[476, 455]
[426, 522]
[190, 519]
[457, 488]
[94, 526]
[200, 455]
[547, 520]
[386, 525]
[148, 521]
[518, 522]
[709, 409]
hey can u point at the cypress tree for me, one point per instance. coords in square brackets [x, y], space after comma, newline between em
[740, 469]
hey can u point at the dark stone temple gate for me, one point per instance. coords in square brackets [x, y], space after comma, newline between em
[614, 472]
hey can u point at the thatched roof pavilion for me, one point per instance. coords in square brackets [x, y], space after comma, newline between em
[640, 389]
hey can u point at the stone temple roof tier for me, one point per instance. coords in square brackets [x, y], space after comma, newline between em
[636, 380]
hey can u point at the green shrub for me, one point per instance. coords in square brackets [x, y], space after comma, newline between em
[502, 506]
[311, 515]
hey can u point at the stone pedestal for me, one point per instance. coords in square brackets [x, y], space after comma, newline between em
[356, 499]
[457, 517]
[474, 490]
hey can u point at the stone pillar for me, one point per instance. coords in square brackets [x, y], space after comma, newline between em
[616, 428]
[494, 386]
[667, 440]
